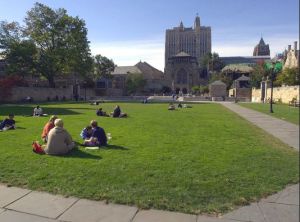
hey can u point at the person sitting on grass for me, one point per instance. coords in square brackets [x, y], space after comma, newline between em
[98, 133]
[100, 112]
[37, 111]
[117, 113]
[8, 123]
[49, 125]
[86, 135]
[171, 106]
[59, 140]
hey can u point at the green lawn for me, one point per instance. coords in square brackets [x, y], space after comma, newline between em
[281, 111]
[200, 160]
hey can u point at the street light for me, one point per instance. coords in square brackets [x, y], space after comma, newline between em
[274, 67]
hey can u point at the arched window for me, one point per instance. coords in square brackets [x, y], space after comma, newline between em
[181, 77]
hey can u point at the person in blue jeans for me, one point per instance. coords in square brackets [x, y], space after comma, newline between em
[8, 123]
[99, 133]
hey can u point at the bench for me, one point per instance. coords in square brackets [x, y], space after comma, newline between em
[294, 103]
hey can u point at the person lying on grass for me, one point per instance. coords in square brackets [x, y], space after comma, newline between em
[8, 123]
[59, 141]
[86, 135]
[49, 125]
[117, 113]
[98, 133]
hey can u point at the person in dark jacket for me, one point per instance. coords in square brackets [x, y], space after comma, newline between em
[117, 113]
[8, 123]
[99, 133]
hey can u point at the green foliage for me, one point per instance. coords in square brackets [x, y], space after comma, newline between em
[199, 160]
[200, 89]
[258, 73]
[288, 77]
[52, 43]
[103, 67]
[212, 61]
[21, 58]
[135, 82]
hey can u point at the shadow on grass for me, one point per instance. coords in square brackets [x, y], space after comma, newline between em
[27, 111]
[77, 153]
[113, 147]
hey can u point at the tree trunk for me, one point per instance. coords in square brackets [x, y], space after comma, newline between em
[51, 81]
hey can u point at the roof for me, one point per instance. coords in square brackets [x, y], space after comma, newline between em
[218, 82]
[182, 54]
[243, 68]
[149, 72]
[124, 70]
[243, 78]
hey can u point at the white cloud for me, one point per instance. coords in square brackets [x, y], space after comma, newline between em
[131, 52]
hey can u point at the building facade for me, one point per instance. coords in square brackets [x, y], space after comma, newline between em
[292, 57]
[184, 49]
[193, 41]
[261, 49]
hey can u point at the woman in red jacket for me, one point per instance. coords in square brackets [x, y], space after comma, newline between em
[49, 125]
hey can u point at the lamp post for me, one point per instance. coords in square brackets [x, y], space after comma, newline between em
[272, 79]
[275, 67]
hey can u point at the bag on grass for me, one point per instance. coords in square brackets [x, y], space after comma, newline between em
[37, 148]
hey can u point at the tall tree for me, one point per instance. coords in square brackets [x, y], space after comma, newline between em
[212, 62]
[103, 67]
[256, 76]
[61, 41]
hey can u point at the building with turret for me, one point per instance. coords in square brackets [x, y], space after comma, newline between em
[261, 49]
[195, 41]
[184, 49]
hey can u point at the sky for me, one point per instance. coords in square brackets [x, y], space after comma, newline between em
[129, 31]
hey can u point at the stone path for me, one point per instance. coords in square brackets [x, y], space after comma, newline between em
[21, 205]
[285, 131]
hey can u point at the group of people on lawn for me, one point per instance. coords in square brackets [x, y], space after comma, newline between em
[57, 139]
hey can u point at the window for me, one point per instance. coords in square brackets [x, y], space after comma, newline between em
[101, 84]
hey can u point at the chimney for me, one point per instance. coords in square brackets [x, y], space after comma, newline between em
[295, 45]
[289, 48]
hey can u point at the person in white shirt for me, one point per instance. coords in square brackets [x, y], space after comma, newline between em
[37, 111]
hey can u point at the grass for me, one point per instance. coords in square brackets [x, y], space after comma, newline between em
[281, 111]
[200, 160]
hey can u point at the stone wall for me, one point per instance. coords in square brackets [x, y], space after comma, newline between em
[18, 94]
[284, 94]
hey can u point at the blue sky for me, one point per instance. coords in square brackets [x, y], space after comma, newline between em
[132, 30]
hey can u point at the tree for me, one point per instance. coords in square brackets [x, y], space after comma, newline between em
[19, 53]
[212, 61]
[289, 76]
[61, 41]
[258, 73]
[135, 82]
[103, 67]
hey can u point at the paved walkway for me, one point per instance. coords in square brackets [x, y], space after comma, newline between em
[21, 205]
[285, 131]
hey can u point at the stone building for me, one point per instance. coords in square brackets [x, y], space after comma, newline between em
[193, 41]
[217, 90]
[292, 57]
[117, 85]
[261, 49]
[184, 49]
